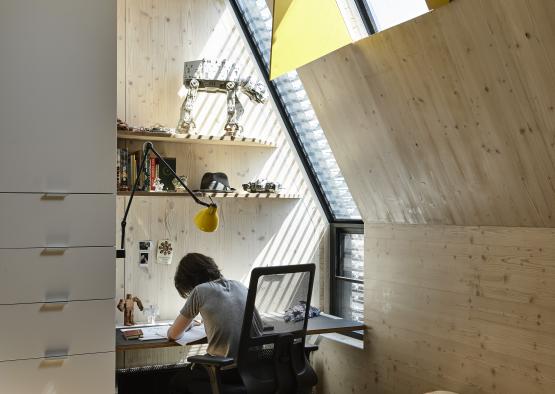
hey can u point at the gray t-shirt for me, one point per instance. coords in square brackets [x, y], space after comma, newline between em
[221, 303]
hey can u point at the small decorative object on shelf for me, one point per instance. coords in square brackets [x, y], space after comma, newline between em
[127, 306]
[165, 252]
[160, 128]
[158, 185]
[121, 125]
[262, 186]
[156, 128]
[215, 182]
[218, 76]
[177, 186]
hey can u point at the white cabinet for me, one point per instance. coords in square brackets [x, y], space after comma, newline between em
[42, 275]
[37, 330]
[43, 220]
[83, 374]
[58, 83]
[58, 96]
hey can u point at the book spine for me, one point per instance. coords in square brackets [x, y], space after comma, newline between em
[133, 169]
[118, 169]
[124, 174]
[152, 172]
[146, 178]
[129, 171]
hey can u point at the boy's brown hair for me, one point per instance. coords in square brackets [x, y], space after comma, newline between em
[194, 269]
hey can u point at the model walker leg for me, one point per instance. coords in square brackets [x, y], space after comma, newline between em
[232, 128]
[186, 123]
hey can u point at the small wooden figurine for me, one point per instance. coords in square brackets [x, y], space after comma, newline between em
[127, 306]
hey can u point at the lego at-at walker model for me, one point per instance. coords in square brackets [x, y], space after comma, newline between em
[215, 76]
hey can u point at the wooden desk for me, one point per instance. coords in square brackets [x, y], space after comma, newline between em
[317, 325]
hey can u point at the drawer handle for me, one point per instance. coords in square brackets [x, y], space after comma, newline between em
[54, 358]
[58, 354]
[53, 306]
[53, 251]
[53, 196]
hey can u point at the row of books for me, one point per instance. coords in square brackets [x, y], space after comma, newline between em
[127, 171]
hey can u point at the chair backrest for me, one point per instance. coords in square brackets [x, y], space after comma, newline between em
[273, 360]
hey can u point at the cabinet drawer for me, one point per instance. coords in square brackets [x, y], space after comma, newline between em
[40, 220]
[42, 275]
[83, 374]
[58, 96]
[35, 330]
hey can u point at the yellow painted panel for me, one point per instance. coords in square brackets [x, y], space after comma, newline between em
[433, 4]
[303, 31]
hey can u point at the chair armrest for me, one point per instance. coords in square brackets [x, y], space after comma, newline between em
[216, 361]
[310, 348]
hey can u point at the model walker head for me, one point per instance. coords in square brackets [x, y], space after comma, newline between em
[218, 76]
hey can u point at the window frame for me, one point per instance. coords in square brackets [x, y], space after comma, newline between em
[302, 154]
[336, 230]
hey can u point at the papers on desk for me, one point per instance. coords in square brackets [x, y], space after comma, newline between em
[154, 332]
[160, 332]
[192, 335]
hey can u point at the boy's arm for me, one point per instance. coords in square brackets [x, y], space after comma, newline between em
[179, 326]
[185, 318]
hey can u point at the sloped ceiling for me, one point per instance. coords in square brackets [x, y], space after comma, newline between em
[449, 118]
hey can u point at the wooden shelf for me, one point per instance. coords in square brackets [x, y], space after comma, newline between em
[216, 195]
[193, 139]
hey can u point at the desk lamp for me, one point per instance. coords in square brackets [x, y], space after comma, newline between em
[205, 220]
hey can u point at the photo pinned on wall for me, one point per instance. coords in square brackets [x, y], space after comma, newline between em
[165, 252]
[144, 253]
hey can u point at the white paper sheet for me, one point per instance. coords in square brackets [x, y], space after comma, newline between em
[154, 332]
[194, 334]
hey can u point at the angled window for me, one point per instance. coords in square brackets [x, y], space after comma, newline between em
[312, 142]
[387, 13]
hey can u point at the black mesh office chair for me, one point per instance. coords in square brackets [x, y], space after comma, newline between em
[275, 360]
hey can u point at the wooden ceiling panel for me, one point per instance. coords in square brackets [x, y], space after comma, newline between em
[449, 118]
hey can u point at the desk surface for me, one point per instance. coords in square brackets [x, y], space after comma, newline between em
[317, 325]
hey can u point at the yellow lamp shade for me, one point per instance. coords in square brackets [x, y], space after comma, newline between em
[207, 219]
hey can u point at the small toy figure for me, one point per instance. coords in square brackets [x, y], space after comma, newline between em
[127, 306]
[177, 185]
[158, 185]
[261, 186]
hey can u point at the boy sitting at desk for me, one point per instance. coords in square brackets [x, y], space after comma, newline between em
[221, 303]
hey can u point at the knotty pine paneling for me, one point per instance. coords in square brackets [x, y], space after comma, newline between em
[444, 128]
[449, 118]
[465, 309]
[252, 233]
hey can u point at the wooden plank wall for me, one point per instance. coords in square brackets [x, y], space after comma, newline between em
[155, 37]
[444, 128]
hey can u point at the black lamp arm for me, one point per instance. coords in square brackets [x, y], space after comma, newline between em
[147, 148]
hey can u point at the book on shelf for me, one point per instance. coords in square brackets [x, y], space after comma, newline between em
[124, 169]
[165, 175]
[118, 166]
[160, 171]
[152, 174]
